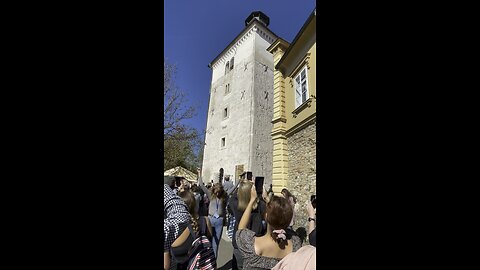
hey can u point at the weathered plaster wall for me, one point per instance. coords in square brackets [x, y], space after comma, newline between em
[262, 149]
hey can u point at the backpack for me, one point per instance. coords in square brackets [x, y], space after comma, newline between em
[201, 255]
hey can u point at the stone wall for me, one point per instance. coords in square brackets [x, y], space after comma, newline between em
[302, 171]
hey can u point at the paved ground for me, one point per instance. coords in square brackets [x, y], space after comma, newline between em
[225, 252]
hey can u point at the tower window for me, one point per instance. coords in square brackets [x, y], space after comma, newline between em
[225, 113]
[227, 89]
[227, 68]
[231, 63]
[223, 142]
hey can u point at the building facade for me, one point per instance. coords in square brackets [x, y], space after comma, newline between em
[240, 110]
[294, 117]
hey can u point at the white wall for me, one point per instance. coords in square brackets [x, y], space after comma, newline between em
[249, 112]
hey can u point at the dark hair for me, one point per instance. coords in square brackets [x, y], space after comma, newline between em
[289, 194]
[279, 214]
[189, 200]
[222, 194]
[170, 181]
[195, 188]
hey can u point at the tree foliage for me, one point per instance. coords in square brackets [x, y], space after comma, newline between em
[181, 142]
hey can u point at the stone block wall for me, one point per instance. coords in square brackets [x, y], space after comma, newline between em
[302, 171]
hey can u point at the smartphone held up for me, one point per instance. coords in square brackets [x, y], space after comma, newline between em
[259, 184]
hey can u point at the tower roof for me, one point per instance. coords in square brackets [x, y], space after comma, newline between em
[255, 16]
[260, 16]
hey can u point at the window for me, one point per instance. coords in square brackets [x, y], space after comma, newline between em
[223, 142]
[301, 87]
[225, 113]
[227, 89]
[231, 63]
[227, 68]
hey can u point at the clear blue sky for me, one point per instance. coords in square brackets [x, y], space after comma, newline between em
[197, 31]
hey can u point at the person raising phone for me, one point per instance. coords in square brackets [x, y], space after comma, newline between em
[266, 251]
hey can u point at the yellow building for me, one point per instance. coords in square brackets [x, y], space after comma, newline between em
[294, 115]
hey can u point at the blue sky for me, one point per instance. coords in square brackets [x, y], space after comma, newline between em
[197, 31]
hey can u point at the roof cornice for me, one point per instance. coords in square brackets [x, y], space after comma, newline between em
[279, 42]
[246, 33]
[299, 34]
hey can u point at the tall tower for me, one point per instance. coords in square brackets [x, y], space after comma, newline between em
[241, 105]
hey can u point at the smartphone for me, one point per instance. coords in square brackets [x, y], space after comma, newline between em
[313, 199]
[259, 184]
[249, 176]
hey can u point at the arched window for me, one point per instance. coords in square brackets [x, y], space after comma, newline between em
[227, 68]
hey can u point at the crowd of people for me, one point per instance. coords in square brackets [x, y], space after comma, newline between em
[259, 221]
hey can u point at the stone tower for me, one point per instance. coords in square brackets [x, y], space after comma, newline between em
[240, 109]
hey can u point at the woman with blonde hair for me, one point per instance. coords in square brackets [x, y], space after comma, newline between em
[237, 205]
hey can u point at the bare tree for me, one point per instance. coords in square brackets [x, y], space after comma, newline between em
[180, 140]
[175, 108]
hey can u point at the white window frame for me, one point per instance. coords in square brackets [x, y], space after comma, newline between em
[297, 90]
